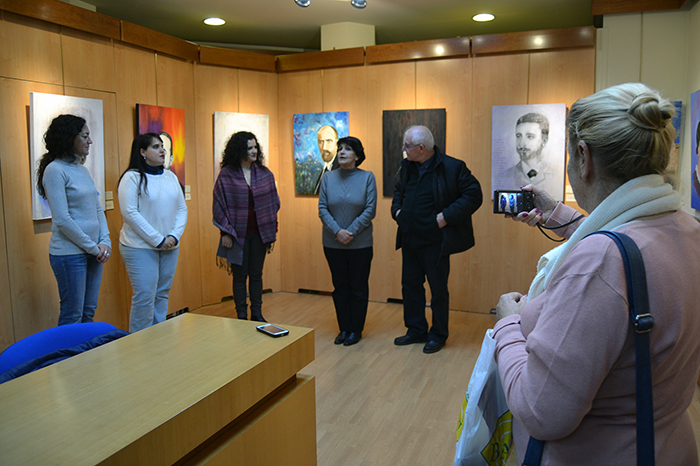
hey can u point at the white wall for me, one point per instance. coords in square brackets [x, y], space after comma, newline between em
[661, 50]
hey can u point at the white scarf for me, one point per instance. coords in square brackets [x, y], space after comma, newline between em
[639, 197]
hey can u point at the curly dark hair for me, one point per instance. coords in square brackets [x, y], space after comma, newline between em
[137, 161]
[356, 146]
[237, 150]
[59, 140]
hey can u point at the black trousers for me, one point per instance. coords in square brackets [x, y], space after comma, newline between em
[350, 272]
[251, 269]
[419, 263]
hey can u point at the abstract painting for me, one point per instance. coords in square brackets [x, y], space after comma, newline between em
[169, 123]
[43, 108]
[394, 125]
[227, 123]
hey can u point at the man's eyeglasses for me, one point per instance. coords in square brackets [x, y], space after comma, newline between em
[406, 146]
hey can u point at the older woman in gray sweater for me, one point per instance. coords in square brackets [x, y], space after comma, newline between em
[347, 203]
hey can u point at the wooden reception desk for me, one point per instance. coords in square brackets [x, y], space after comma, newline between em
[193, 390]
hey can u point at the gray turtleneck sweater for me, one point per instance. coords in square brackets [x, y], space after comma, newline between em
[348, 200]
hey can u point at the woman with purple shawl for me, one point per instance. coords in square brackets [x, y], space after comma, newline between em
[245, 210]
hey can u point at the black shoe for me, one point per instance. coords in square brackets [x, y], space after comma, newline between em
[352, 339]
[409, 339]
[243, 316]
[258, 318]
[340, 338]
[433, 346]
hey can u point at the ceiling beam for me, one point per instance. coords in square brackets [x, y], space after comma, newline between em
[609, 7]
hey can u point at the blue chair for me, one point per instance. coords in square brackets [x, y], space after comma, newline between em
[49, 340]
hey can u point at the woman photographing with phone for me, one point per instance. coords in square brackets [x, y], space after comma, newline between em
[155, 214]
[566, 351]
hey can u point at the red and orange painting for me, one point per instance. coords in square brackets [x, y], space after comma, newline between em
[170, 124]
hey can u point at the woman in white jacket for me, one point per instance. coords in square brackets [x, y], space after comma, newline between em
[153, 207]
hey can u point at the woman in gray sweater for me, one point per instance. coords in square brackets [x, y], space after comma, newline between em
[79, 235]
[347, 203]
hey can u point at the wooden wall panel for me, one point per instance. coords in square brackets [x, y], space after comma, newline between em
[88, 60]
[113, 305]
[389, 87]
[258, 94]
[216, 90]
[495, 267]
[302, 262]
[448, 84]
[7, 331]
[136, 84]
[175, 88]
[33, 287]
[37, 43]
[344, 90]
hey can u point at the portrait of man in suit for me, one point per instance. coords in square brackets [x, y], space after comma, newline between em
[328, 147]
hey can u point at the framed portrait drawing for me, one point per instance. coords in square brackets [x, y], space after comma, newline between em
[228, 123]
[394, 125]
[315, 145]
[528, 147]
[169, 123]
[43, 108]
[694, 136]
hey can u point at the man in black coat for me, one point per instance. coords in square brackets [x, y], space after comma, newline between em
[434, 200]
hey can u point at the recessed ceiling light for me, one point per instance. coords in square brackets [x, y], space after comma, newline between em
[303, 3]
[483, 17]
[359, 3]
[214, 21]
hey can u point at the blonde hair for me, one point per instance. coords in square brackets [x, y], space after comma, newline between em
[627, 128]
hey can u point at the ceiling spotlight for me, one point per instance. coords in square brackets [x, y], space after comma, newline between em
[214, 21]
[303, 3]
[483, 17]
[358, 3]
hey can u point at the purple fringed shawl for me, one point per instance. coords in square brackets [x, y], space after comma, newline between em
[230, 209]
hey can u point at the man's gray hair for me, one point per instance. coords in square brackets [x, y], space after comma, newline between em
[421, 135]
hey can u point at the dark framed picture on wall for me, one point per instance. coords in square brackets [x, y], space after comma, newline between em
[394, 125]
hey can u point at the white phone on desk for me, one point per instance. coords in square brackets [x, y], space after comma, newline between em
[272, 330]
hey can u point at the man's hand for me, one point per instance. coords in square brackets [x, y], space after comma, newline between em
[169, 243]
[441, 220]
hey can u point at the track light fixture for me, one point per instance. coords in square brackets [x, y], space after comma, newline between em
[356, 3]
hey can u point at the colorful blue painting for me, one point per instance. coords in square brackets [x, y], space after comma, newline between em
[694, 136]
[315, 144]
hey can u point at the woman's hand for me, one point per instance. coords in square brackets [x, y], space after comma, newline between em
[544, 206]
[227, 241]
[509, 304]
[343, 236]
[169, 243]
[104, 254]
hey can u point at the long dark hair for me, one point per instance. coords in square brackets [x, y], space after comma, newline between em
[137, 161]
[237, 150]
[59, 140]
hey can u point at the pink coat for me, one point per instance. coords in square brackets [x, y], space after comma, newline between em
[567, 363]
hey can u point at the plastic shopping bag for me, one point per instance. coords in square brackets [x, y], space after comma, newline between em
[484, 431]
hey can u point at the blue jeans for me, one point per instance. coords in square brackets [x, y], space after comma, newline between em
[151, 274]
[78, 277]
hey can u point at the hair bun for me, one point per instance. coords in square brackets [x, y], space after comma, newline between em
[646, 112]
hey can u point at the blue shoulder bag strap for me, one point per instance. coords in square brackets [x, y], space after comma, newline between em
[642, 321]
